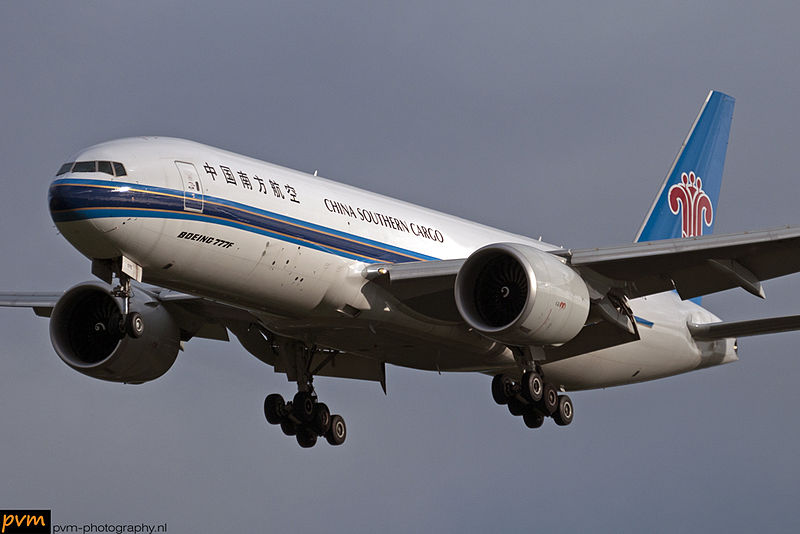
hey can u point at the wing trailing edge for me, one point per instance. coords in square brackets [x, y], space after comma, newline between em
[694, 266]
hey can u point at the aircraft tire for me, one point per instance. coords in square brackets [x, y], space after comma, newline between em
[288, 427]
[306, 437]
[274, 408]
[134, 325]
[337, 432]
[117, 325]
[303, 406]
[321, 420]
[532, 386]
[549, 403]
[516, 407]
[532, 418]
[565, 412]
[500, 388]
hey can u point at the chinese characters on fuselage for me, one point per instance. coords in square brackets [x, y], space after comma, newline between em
[246, 182]
[287, 192]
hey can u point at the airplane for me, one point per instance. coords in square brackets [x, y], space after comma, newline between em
[317, 278]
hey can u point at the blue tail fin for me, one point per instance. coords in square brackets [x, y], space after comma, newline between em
[686, 205]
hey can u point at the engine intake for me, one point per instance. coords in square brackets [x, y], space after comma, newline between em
[519, 295]
[86, 334]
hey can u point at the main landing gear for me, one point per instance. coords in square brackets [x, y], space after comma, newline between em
[533, 399]
[304, 416]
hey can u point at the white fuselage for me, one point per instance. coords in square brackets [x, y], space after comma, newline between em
[292, 248]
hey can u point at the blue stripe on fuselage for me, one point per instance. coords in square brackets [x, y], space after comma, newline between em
[80, 199]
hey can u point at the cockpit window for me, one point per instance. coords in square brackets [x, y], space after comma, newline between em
[108, 167]
[85, 166]
[65, 168]
[105, 166]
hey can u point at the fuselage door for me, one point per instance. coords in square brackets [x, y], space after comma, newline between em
[192, 187]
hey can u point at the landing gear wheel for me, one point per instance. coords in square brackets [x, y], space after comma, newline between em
[532, 386]
[115, 326]
[274, 408]
[564, 414]
[532, 418]
[337, 433]
[306, 437]
[516, 407]
[501, 387]
[303, 416]
[321, 421]
[549, 402]
[134, 324]
[303, 406]
[288, 427]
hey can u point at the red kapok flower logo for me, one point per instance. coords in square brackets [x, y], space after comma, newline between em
[689, 199]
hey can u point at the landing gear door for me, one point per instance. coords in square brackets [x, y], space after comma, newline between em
[192, 187]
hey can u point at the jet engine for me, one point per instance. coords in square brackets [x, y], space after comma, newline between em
[519, 295]
[86, 332]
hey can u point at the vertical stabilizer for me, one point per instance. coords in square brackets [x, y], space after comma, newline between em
[686, 205]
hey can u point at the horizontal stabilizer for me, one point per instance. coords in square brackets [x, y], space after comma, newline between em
[755, 327]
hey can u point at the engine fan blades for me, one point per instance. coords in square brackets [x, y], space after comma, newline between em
[501, 291]
[94, 327]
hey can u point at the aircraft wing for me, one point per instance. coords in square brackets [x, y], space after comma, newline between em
[693, 266]
[41, 302]
[423, 286]
[755, 327]
[200, 317]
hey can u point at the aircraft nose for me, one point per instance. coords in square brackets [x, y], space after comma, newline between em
[77, 207]
[79, 185]
[66, 200]
[59, 200]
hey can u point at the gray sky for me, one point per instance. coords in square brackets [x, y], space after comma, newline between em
[554, 121]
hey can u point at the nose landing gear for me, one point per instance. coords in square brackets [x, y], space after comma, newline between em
[129, 323]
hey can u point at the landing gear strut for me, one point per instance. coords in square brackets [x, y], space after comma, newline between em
[131, 323]
[304, 416]
[532, 398]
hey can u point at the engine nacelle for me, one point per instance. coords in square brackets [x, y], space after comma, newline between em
[85, 332]
[519, 295]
